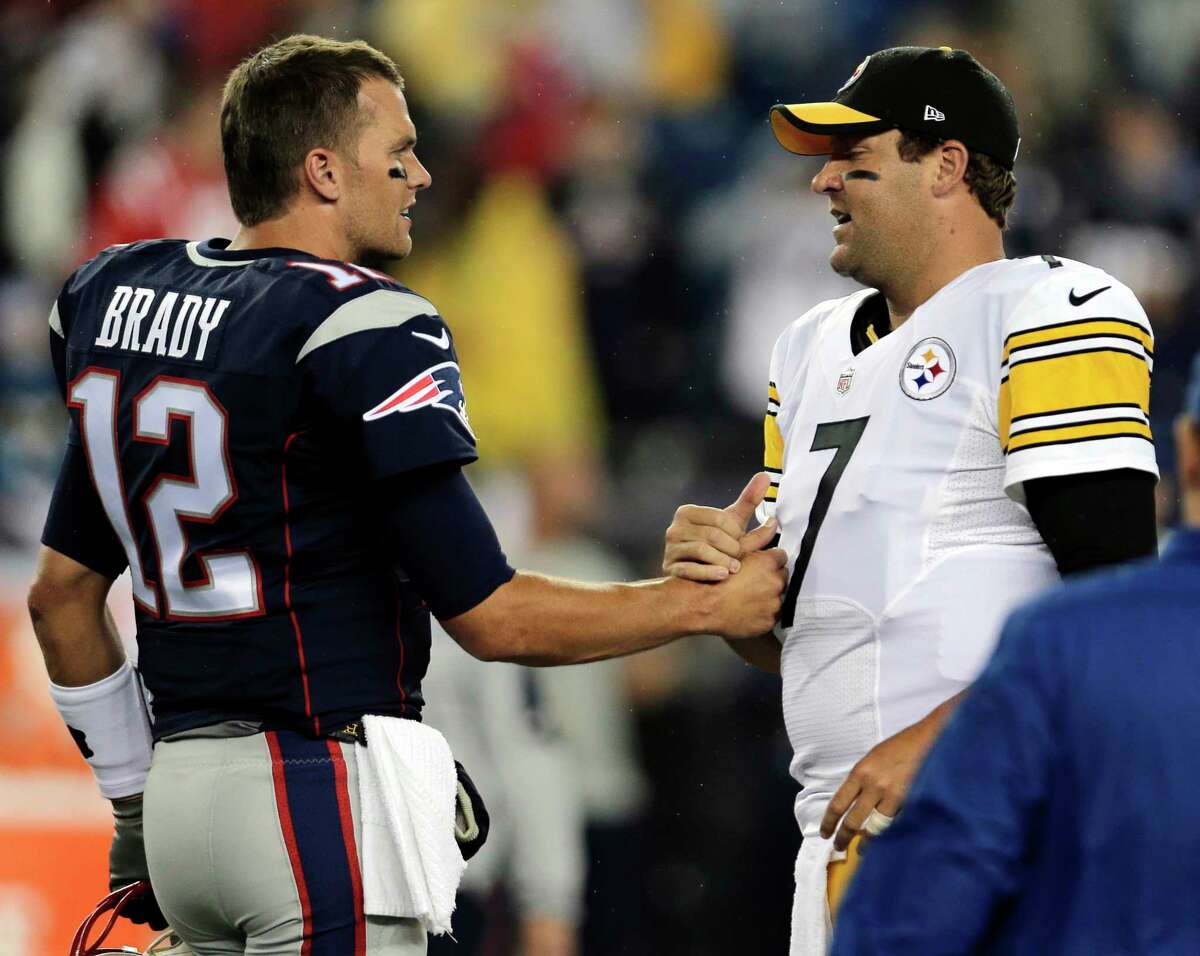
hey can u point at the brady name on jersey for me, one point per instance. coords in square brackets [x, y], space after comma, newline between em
[170, 333]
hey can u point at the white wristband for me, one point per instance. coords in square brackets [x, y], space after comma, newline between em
[109, 721]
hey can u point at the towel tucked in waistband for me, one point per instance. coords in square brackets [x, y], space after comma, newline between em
[407, 791]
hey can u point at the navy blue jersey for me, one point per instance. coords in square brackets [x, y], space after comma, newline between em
[234, 411]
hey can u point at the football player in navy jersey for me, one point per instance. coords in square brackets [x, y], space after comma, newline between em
[270, 438]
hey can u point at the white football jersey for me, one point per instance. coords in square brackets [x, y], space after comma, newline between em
[897, 482]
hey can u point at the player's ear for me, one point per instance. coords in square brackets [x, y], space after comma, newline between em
[323, 173]
[951, 157]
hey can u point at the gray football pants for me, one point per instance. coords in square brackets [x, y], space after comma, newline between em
[252, 845]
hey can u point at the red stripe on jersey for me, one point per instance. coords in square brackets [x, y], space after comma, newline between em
[287, 585]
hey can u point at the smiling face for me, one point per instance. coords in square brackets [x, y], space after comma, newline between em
[882, 206]
[383, 182]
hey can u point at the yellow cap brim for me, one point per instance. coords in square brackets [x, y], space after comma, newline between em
[807, 128]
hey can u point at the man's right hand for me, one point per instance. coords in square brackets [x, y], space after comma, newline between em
[747, 603]
[710, 544]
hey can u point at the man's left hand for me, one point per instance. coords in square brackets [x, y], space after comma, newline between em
[879, 781]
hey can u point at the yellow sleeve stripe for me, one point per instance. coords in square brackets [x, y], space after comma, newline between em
[1079, 329]
[772, 445]
[772, 393]
[1072, 380]
[1068, 434]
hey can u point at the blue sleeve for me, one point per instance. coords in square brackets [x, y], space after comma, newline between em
[436, 529]
[934, 880]
[77, 525]
[391, 388]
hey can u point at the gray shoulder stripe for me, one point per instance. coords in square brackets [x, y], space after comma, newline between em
[380, 309]
[56, 321]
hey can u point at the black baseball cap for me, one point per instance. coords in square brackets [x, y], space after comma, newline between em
[935, 90]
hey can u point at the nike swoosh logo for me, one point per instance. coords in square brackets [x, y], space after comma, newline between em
[442, 341]
[1080, 299]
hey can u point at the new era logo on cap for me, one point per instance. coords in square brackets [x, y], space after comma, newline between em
[931, 113]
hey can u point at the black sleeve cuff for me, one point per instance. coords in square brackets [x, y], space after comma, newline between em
[1097, 519]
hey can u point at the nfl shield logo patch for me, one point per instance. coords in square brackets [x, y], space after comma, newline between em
[844, 380]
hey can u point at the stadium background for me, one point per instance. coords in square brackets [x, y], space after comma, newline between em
[616, 240]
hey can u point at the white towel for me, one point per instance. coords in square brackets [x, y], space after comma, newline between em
[812, 930]
[407, 786]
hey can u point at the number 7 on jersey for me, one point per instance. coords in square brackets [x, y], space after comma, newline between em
[843, 436]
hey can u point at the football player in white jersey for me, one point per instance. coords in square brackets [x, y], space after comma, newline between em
[939, 445]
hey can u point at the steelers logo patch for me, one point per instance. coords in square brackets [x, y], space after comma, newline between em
[858, 71]
[928, 371]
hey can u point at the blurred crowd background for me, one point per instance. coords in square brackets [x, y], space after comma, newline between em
[616, 240]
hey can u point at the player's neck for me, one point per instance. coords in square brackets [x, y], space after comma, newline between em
[297, 230]
[958, 252]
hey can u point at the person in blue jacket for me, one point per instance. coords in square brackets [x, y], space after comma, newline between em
[1058, 812]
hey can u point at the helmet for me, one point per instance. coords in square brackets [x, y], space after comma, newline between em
[168, 944]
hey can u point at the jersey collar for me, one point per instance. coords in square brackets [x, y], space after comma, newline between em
[214, 253]
[871, 322]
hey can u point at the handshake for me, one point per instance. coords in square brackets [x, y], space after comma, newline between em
[712, 546]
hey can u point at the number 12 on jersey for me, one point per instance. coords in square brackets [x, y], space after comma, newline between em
[231, 586]
[843, 436]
